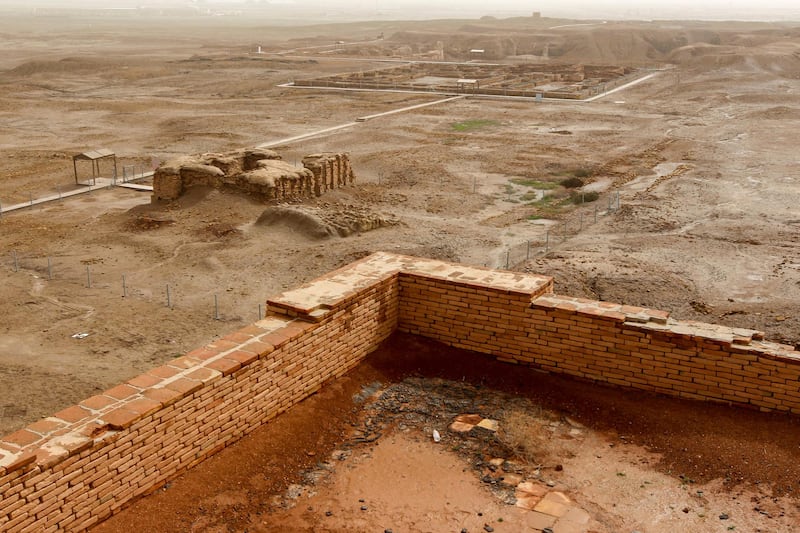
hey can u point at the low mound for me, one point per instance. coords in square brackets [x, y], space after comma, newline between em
[782, 59]
[297, 220]
[320, 223]
[780, 112]
[62, 66]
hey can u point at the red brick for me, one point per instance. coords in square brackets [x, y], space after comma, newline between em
[22, 438]
[24, 460]
[143, 406]
[204, 374]
[203, 354]
[238, 337]
[48, 459]
[72, 414]
[258, 347]
[185, 386]
[226, 366]
[184, 362]
[98, 402]
[144, 381]
[243, 357]
[222, 345]
[45, 426]
[163, 395]
[122, 392]
[164, 372]
[276, 338]
[120, 418]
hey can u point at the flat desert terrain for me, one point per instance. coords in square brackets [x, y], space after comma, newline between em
[677, 193]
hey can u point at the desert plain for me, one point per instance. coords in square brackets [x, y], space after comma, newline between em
[683, 197]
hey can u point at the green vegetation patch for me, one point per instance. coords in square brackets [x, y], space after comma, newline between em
[536, 184]
[579, 198]
[469, 125]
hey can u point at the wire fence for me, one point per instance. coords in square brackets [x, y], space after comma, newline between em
[160, 293]
[556, 233]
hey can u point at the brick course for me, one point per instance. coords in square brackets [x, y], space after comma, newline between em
[77, 467]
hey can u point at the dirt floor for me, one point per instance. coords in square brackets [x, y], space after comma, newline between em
[360, 456]
[693, 170]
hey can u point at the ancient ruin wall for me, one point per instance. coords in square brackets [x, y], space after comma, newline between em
[331, 171]
[260, 173]
[75, 468]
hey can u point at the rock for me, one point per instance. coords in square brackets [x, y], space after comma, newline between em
[488, 528]
[328, 513]
[464, 423]
[724, 516]
[488, 424]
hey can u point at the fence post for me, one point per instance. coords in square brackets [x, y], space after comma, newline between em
[508, 257]
[260, 314]
[528, 251]
[216, 308]
[124, 287]
[16, 263]
[169, 300]
[88, 278]
[49, 269]
[546, 240]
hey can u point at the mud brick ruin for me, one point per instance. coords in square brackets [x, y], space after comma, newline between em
[261, 173]
[330, 171]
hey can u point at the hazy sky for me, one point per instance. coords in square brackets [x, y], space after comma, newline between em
[706, 9]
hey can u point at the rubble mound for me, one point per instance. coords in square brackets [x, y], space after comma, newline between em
[295, 219]
[260, 173]
[324, 221]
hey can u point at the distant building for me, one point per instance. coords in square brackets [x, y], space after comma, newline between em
[537, 14]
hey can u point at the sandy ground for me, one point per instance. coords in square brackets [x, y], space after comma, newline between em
[702, 157]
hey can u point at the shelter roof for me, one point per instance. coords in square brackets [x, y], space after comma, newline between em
[94, 154]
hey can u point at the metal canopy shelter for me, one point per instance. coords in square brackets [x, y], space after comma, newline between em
[94, 157]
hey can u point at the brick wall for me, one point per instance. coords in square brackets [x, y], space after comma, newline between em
[606, 342]
[75, 468]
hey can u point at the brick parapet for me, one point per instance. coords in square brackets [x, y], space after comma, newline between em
[75, 468]
[71, 470]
